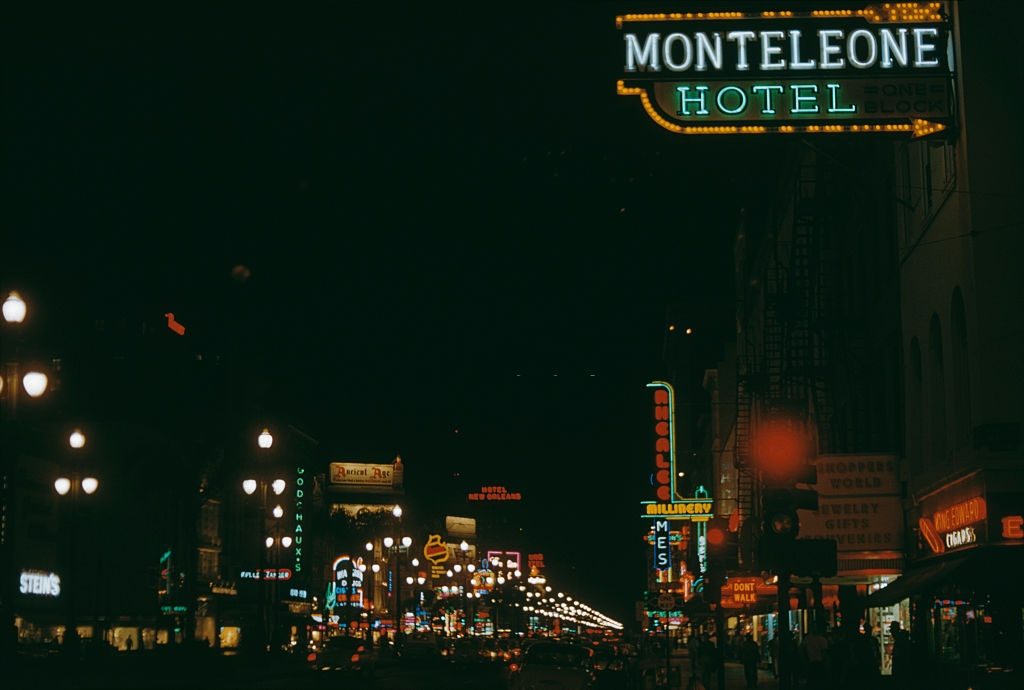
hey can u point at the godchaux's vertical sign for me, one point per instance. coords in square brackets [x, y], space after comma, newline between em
[300, 498]
[886, 68]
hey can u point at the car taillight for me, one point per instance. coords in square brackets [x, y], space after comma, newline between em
[355, 658]
[311, 657]
[513, 667]
[361, 649]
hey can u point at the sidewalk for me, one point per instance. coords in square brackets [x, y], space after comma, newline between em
[681, 673]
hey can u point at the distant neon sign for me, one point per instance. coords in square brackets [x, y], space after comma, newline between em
[266, 574]
[494, 493]
[39, 583]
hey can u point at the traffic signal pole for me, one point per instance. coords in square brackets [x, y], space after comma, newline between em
[785, 635]
[720, 639]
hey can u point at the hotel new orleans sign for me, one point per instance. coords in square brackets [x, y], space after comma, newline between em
[886, 68]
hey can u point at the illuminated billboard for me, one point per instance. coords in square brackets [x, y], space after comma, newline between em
[886, 68]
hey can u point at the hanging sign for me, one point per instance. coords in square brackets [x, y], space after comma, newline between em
[885, 68]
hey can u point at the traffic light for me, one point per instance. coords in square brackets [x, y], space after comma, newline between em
[782, 497]
[723, 544]
[723, 555]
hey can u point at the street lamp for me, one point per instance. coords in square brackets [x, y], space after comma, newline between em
[14, 308]
[396, 549]
[12, 383]
[269, 556]
[71, 485]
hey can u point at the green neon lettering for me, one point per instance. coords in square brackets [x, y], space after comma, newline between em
[301, 470]
[700, 99]
[299, 494]
[742, 104]
[768, 107]
[799, 98]
[300, 481]
[833, 93]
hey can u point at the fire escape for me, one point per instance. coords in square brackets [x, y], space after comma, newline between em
[783, 348]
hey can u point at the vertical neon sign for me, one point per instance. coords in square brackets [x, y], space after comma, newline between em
[702, 534]
[300, 492]
[662, 550]
[663, 476]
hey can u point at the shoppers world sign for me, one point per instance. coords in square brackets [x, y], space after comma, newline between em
[886, 69]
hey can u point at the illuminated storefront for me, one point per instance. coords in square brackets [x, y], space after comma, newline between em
[963, 605]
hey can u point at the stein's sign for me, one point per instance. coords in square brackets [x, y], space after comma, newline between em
[885, 68]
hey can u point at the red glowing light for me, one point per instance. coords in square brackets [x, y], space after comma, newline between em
[780, 446]
[716, 536]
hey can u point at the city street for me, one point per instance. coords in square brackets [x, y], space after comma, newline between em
[602, 344]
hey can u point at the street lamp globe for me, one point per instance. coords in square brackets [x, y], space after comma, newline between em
[278, 486]
[420, 580]
[397, 511]
[15, 308]
[464, 546]
[62, 485]
[375, 567]
[501, 580]
[449, 573]
[518, 573]
[265, 439]
[369, 546]
[90, 484]
[415, 562]
[457, 567]
[286, 542]
[76, 439]
[406, 542]
[278, 511]
[388, 542]
[470, 567]
[409, 580]
[249, 486]
[269, 541]
[35, 383]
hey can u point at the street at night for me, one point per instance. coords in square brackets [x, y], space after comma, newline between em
[599, 344]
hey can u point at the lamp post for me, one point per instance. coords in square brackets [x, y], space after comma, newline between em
[34, 383]
[75, 486]
[274, 543]
[396, 548]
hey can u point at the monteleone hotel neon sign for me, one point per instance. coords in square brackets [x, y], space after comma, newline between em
[886, 68]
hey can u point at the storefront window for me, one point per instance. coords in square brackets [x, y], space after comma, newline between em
[230, 637]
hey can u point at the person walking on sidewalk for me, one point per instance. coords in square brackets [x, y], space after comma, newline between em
[750, 654]
[815, 648]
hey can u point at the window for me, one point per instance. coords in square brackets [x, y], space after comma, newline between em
[209, 564]
[209, 523]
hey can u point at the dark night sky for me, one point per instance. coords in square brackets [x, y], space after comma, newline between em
[440, 214]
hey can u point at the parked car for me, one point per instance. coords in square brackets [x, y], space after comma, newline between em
[346, 654]
[553, 665]
[421, 647]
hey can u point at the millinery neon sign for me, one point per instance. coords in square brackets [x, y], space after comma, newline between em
[885, 68]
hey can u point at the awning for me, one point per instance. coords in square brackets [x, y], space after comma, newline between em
[914, 582]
